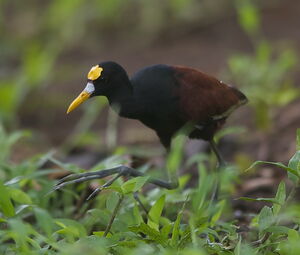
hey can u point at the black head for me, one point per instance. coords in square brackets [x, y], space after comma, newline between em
[111, 77]
[102, 80]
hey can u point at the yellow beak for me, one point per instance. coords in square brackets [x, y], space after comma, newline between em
[84, 95]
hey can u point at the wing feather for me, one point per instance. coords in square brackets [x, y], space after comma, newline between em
[204, 98]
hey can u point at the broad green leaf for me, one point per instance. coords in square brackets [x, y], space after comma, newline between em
[101, 234]
[19, 196]
[68, 231]
[116, 187]
[137, 215]
[97, 216]
[44, 220]
[166, 229]
[294, 164]
[70, 228]
[111, 201]
[152, 234]
[59, 223]
[20, 231]
[134, 184]
[280, 198]
[278, 229]
[155, 212]
[218, 213]
[293, 235]
[265, 219]
[5, 202]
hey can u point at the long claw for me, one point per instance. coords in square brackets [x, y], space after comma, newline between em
[119, 170]
[105, 185]
[68, 177]
[94, 193]
[81, 179]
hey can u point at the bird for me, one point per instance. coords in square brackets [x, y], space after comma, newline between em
[164, 98]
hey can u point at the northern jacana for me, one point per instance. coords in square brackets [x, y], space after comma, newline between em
[165, 98]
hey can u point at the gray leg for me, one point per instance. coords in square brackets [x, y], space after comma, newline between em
[120, 171]
[221, 161]
[221, 164]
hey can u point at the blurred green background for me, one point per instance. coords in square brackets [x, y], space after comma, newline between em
[47, 48]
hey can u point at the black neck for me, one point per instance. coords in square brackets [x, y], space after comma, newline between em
[122, 100]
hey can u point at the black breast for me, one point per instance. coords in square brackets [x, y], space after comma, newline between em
[156, 92]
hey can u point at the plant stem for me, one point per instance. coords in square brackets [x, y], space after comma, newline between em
[113, 216]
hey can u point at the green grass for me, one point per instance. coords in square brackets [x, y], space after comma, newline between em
[35, 220]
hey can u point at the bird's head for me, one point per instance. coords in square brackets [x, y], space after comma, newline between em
[101, 79]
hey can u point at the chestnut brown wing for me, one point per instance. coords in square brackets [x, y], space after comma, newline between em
[204, 98]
